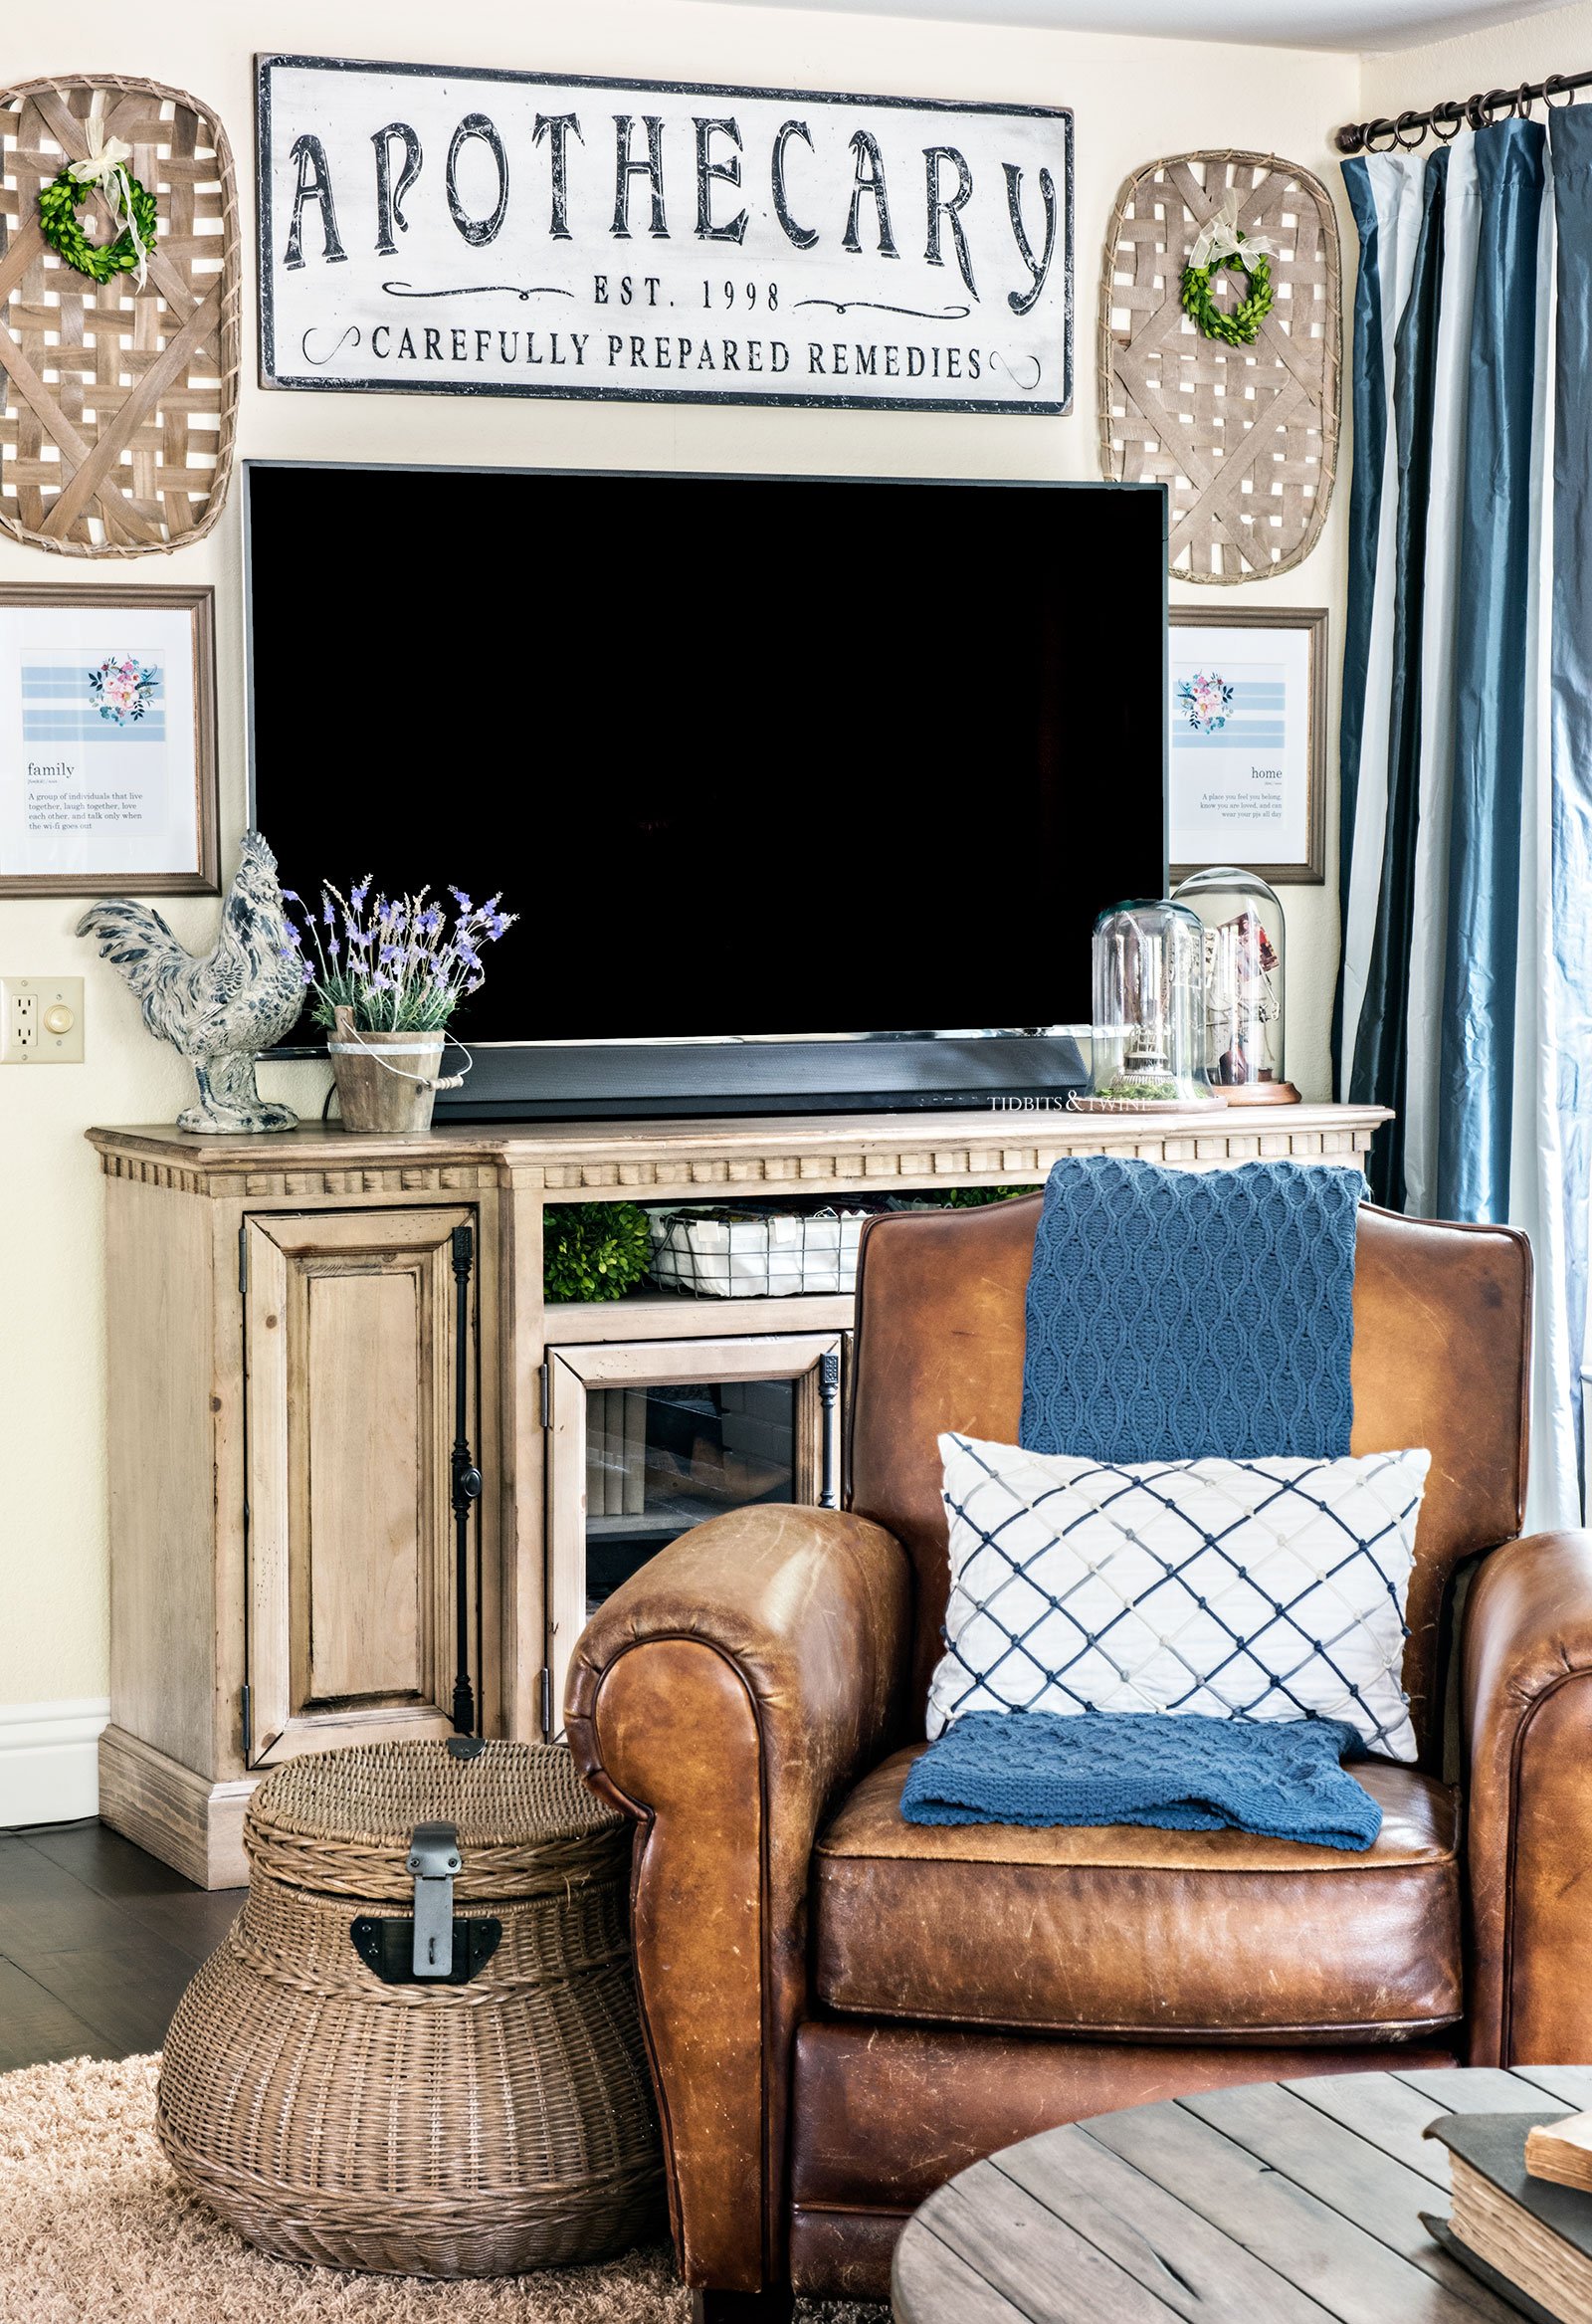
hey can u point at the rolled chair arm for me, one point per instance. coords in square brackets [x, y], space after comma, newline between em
[725, 1696]
[1527, 1698]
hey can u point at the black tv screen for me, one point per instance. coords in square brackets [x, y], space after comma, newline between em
[748, 756]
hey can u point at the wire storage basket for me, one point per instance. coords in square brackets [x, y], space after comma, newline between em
[480, 2127]
[753, 1252]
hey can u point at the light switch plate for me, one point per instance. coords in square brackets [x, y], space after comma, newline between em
[40, 1021]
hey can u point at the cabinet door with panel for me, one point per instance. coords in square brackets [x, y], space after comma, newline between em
[649, 1438]
[351, 1357]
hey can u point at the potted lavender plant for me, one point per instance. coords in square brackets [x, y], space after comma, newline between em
[386, 974]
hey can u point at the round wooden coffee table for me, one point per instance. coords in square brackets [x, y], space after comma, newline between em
[1276, 2203]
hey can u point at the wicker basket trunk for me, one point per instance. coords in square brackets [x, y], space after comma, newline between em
[476, 2129]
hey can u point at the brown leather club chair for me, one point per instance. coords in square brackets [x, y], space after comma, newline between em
[844, 2008]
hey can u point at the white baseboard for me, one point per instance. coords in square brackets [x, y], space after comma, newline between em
[49, 1760]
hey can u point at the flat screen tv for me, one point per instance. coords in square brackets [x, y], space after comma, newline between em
[806, 790]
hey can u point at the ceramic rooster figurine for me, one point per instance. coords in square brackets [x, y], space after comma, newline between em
[219, 1011]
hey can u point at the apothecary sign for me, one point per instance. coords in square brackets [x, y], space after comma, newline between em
[509, 234]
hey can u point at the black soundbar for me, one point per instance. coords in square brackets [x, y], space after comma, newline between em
[514, 1081]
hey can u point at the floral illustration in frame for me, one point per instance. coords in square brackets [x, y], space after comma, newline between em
[108, 741]
[1247, 717]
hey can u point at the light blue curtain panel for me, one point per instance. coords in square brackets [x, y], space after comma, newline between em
[1570, 886]
[1466, 993]
[1379, 1056]
[1368, 401]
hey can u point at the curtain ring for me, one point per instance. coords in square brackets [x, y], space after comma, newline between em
[1409, 120]
[1489, 105]
[1522, 101]
[1375, 129]
[1449, 110]
[1551, 87]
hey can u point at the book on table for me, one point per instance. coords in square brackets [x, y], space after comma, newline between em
[1563, 2151]
[1529, 2237]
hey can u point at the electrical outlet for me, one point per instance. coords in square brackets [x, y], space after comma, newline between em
[40, 1021]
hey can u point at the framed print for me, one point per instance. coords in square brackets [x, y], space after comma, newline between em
[108, 741]
[1248, 752]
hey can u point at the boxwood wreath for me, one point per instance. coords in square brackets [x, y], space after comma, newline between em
[63, 228]
[594, 1250]
[1239, 326]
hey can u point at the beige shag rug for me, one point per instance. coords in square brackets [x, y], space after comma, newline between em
[94, 2229]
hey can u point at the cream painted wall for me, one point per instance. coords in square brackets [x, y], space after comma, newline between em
[1133, 98]
[1500, 58]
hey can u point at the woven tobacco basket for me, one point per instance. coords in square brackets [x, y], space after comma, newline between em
[120, 405]
[1246, 437]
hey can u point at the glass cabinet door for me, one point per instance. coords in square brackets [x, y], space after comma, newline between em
[648, 1439]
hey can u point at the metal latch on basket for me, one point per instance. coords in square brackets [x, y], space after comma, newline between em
[433, 1947]
[387, 1947]
[434, 1858]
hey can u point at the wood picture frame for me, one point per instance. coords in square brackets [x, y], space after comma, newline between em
[1273, 702]
[81, 812]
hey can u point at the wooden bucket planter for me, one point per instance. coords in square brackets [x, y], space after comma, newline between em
[386, 1082]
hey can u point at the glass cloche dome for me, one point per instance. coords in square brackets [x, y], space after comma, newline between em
[1149, 1016]
[1246, 945]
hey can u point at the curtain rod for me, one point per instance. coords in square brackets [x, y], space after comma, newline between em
[1448, 116]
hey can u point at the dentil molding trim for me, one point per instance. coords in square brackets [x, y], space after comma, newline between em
[658, 1160]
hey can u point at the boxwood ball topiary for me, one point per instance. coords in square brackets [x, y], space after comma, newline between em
[594, 1250]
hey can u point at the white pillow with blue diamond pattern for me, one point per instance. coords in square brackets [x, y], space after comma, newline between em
[1253, 1588]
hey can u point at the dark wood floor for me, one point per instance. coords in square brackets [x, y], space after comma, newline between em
[97, 1942]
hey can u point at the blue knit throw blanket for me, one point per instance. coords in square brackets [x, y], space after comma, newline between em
[1185, 1315]
[1175, 1315]
[1280, 1778]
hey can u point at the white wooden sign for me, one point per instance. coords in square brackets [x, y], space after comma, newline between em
[470, 233]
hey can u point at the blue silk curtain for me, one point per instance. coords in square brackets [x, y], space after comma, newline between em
[1464, 999]
[1477, 1068]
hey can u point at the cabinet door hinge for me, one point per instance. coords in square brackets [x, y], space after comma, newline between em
[546, 1702]
[546, 1395]
[245, 1711]
[243, 1259]
[829, 1400]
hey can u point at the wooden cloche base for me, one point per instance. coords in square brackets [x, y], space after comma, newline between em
[1261, 1092]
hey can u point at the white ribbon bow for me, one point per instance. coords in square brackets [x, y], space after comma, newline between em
[106, 166]
[1221, 237]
